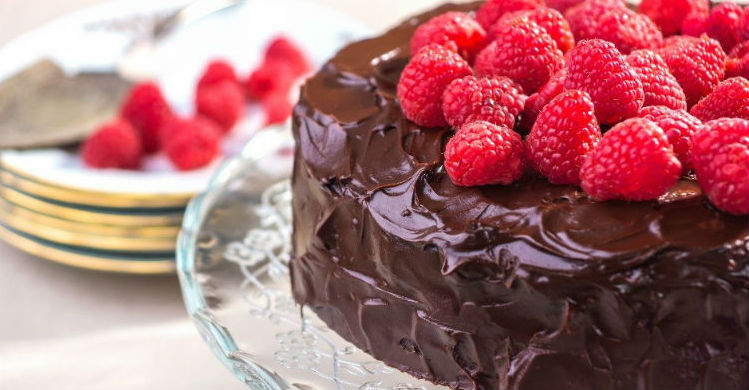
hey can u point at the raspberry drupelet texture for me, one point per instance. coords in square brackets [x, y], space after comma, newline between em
[423, 81]
[147, 110]
[633, 161]
[729, 100]
[115, 144]
[217, 72]
[495, 100]
[565, 131]
[522, 51]
[481, 153]
[629, 30]
[721, 151]
[725, 24]
[660, 86]
[538, 100]
[679, 127]
[583, 18]
[675, 41]
[456, 31]
[492, 10]
[698, 65]
[669, 15]
[223, 103]
[598, 68]
[191, 143]
[550, 20]
[737, 63]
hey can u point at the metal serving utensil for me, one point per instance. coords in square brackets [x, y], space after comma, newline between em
[148, 30]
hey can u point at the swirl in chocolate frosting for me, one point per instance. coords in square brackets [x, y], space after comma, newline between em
[531, 285]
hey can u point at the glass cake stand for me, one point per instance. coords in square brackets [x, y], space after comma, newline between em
[232, 257]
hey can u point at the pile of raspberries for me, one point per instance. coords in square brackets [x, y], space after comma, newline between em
[147, 124]
[589, 93]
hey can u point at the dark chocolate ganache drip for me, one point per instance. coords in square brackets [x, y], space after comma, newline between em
[526, 286]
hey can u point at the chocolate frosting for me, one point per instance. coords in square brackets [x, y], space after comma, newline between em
[526, 286]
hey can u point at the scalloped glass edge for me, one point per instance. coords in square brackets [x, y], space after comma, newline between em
[218, 338]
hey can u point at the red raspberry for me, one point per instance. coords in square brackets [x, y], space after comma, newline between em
[492, 10]
[721, 162]
[598, 68]
[562, 5]
[669, 14]
[633, 161]
[679, 127]
[737, 63]
[115, 144]
[698, 65]
[481, 153]
[729, 100]
[583, 18]
[223, 103]
[271, 77]
[538, 100]
[216, 72]
[628, 30]
[744, 30]
[424, 80]
[283, 50]
[550, 20]
[522, 51]
[660, 86]
[454, 30]
[696, 23]
[277, 108]
[566, 130]
[676, 41]
[191, 143]
[725, 24]
[492, 99]
[147, 110]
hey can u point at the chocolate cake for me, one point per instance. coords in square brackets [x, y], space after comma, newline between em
[527, 286]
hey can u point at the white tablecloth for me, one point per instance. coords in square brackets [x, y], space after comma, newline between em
[66, 328]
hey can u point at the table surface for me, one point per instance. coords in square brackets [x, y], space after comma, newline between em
[67, 328]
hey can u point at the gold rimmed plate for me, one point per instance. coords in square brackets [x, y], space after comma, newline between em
[129, 243]
[164, 232]
[42, 188]
[91, 215]
[88, 259]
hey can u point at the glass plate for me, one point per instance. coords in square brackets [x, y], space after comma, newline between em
[232, 258]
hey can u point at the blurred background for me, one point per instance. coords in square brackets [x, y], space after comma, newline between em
[69, 328]
[22, 15]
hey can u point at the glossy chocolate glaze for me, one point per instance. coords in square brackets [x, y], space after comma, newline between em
[521, 287]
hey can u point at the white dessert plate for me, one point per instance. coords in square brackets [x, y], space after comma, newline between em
[238, 34]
